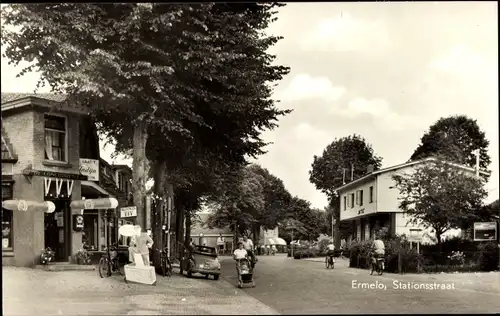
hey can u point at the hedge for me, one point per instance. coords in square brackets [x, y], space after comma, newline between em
[452, 255]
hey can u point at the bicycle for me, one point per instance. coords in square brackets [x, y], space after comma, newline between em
[109, 263]
[165, 263]
[329, 262]
[377, 265]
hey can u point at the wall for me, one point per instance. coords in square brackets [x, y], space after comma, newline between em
[359, 210]
[25, 128]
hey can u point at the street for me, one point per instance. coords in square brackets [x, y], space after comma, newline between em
[306, 287]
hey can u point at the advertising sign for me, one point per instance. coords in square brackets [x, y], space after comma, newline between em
[485, 231]
[77, 223]
[415, 235]
[128, 212]
[90, 168]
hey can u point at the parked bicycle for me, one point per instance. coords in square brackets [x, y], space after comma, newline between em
[165, 263]
[109, 262]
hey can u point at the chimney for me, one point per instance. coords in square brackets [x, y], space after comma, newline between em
[369, 169]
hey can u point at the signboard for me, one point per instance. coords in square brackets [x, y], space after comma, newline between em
[90, 168]
[77, 223]
[485, 231]
[128, 211]
[415, 235]
[52, 174]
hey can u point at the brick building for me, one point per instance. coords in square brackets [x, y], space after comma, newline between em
[45, 144]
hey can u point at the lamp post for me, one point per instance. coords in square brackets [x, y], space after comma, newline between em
[201, 239]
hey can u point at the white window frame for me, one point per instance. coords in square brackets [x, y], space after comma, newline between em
[66, 137]
[360, 197]
[353, 200]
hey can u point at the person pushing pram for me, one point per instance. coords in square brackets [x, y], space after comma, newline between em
[244, 267]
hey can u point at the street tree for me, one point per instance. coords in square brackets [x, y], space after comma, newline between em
[156, 74]
[344, 159]
[455, 138]
[440, 195]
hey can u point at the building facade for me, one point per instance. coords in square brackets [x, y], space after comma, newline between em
[372, 202]
[50, 152]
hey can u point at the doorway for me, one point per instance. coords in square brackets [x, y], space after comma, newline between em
[58, 230]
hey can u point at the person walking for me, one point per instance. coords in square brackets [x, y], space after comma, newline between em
[221, 242]
[140, 244]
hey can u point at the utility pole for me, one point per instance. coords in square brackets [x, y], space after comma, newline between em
[352, 172]
[476, 153]
[343, 176]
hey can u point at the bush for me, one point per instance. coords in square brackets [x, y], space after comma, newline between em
[488, 256]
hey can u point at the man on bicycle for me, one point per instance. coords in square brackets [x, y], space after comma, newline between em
[378, 250]
[330, 251]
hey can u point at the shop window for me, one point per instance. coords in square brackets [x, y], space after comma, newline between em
[90, 230]
[7, 239]
[55, 138]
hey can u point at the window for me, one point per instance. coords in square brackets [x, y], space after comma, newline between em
[352, 200]
[345, 202]
[371, 194]
[55, 138]
[120, 181]
[6, 218]
[360, 197]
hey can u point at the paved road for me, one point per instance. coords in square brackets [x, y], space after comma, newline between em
[305, 287]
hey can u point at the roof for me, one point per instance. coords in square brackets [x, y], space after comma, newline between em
[15, 100]
[14, 96]
[7, 148]
[400, 166]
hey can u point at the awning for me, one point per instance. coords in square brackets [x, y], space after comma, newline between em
[32, 206]
[280, 241]
[270, 241]
[95, 204]
[94, 187]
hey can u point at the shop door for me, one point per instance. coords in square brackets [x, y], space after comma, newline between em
[58, 230]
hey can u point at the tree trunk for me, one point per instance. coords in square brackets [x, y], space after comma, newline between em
[187, 239]
[160, 171]
[255, 233]
[171, 225]
[139, 166]
[179, 223]
[336, 230]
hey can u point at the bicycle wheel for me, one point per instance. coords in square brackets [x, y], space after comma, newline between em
[169, 267]
[163, 264]
[372, 268]
[380, 268]
[104, 268]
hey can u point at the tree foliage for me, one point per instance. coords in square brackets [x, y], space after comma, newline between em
[258, 199]
[349, 155]
[188, 84]
[440, 195]
[454, 139]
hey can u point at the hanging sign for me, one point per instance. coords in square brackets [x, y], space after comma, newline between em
[77, 222]
[130, 211]
[90, 168]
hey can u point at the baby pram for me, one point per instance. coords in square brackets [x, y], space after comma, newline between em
[245, 272]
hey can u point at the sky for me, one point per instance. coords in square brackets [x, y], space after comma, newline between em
[382, 70]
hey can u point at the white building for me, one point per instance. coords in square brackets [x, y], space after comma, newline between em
[371, 202]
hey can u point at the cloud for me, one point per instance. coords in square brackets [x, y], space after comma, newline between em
[304, 87]
[464, 63]
[346, 34]
[379, 111]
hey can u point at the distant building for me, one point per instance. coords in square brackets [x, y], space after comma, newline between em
[371, 202]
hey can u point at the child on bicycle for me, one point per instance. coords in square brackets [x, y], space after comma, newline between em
[330, 251]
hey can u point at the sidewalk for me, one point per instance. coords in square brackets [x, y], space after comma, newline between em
[37, 292]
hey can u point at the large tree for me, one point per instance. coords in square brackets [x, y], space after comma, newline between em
[342, 159]
[455, 138]
[155, 75]
[440, 195]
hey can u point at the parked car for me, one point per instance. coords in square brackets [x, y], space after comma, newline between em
[203, 260]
